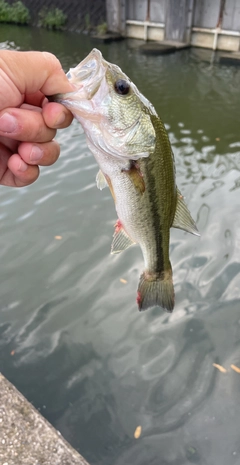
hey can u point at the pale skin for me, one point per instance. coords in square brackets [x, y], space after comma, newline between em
[28, 122]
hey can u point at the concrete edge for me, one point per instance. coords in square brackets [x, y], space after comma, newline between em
[27, 438]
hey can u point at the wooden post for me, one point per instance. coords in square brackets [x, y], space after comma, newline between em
[178, 20]
[116, 16]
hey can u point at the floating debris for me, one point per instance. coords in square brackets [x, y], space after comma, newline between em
[122, 280]
[220, 368]
[235, 368]
[58, 238]
[138, 432]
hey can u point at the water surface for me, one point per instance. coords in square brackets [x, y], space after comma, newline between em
[71, 338]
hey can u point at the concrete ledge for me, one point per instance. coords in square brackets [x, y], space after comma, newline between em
[160, 48]
[108, 37]
[26, 438]
[205, 39]
[230, 58]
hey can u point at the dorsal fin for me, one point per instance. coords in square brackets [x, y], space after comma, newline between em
[182, 218]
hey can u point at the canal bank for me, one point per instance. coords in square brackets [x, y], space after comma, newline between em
[27, 438]
[200, 23]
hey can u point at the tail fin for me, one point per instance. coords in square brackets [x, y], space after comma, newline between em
[156, 289]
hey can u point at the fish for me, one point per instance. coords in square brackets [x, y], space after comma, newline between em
[131, 146]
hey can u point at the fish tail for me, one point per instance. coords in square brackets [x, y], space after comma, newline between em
[156, 289]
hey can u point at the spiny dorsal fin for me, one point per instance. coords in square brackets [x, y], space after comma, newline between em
[121, 240]
[101, 180]
[182, 218]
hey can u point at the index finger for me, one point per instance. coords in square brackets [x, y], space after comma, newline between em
[30, 72]
[37, 99]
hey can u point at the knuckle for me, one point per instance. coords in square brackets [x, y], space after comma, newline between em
[43, 133]
[53, 60]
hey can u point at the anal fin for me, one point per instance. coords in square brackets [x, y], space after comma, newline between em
[182, 218]
[121, 240]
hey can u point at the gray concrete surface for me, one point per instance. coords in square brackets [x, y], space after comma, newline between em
[161, 48]
[230, 58]
[26, 438]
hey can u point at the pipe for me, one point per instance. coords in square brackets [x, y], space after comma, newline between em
[141, 23]
[212, 31]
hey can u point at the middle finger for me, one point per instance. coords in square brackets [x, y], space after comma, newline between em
[39, 154]
[25, 125]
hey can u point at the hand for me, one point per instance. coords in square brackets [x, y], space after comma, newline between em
[28, 122]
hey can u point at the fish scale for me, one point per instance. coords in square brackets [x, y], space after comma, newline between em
[132, 148]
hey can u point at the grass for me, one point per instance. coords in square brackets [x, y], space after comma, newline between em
[102, 28]
[52, 19]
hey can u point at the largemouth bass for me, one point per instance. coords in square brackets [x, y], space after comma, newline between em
[132, 149]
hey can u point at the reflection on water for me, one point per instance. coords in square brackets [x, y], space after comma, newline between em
[72, 339]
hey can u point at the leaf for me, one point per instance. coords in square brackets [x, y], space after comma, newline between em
[138, 432]
[220, 368]
[235, 368]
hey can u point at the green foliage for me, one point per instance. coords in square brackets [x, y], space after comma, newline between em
[16, 13]
[102, 28]
[20, 13]
[52, 19]
[4, 11]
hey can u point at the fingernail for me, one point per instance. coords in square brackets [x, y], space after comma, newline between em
[36, 153]
[22, 166]
[60, 120]
[8, 123]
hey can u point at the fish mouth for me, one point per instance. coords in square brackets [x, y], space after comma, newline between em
[85, 78]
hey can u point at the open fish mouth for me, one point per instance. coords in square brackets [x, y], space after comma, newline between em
[85, 78]
[87, 70]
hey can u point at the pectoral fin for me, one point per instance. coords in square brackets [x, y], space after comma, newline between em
[135, 176]
[121, 240]
[101, 180]
[182, 218]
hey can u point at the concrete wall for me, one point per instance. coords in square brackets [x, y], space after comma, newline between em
[116, 15]
[231, 16]
[188, 21]
[138, 31]
[206, 13]
[206, 40]
[137, 10]
[176, 20]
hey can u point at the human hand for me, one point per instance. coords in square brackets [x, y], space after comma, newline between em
[28, 122]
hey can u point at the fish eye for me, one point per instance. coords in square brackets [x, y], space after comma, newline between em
[122, 87]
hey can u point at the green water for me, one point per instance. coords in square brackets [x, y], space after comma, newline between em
[71, 338]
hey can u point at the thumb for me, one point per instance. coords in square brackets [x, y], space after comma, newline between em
[27, 72]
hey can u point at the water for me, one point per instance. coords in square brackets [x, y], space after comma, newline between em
[72, 339]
